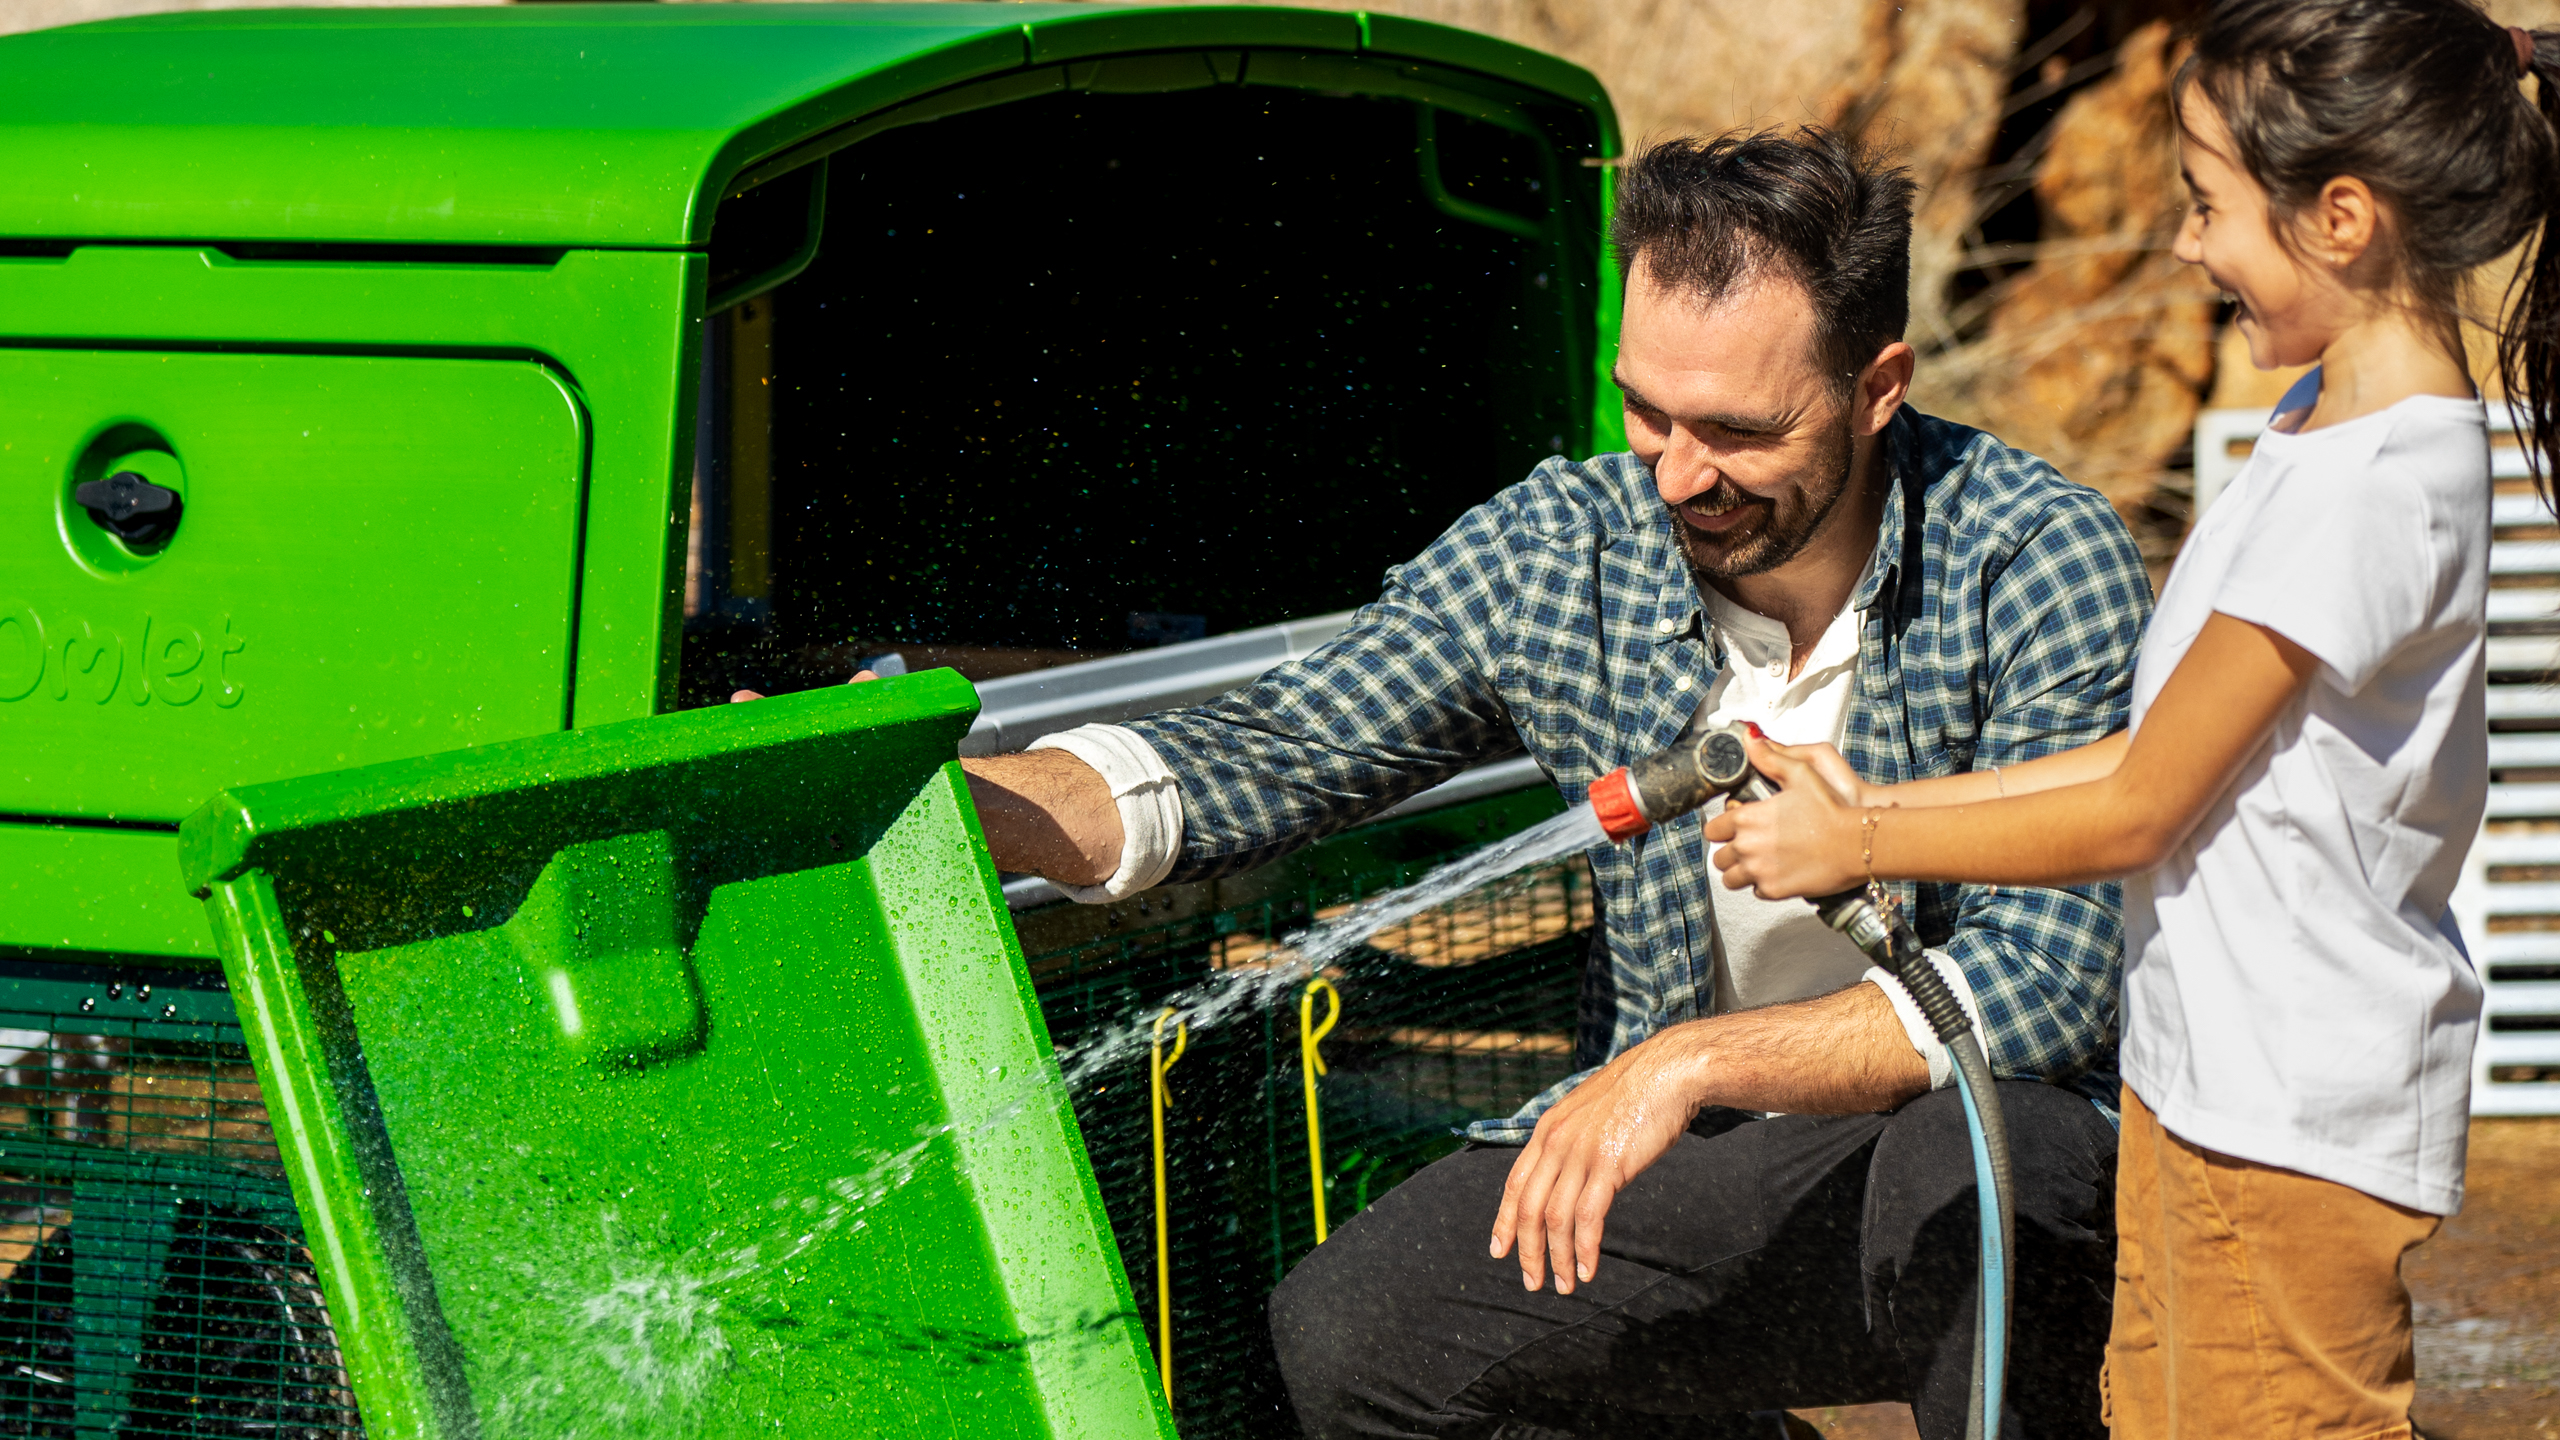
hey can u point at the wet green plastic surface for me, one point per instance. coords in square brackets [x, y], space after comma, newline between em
[599, 1063]
[598, 125]
[377, 559]
[610, 325]
[75, 889]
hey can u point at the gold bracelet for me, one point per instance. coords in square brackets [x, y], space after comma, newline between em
[1881, 897]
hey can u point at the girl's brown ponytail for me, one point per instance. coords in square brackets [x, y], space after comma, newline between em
[2529, 342]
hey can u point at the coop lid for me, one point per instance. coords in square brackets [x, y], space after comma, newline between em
[584, 125]
[705, 1033]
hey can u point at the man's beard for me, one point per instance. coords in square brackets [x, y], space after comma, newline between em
[1788, 525]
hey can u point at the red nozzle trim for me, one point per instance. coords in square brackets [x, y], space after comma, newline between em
[1613, 800]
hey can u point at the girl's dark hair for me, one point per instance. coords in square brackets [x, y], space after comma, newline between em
[2421, 100]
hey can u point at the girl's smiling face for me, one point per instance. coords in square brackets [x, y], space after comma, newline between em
[2288, 308]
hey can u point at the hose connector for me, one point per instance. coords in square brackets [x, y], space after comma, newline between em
[1703, 764]
[1706, 762]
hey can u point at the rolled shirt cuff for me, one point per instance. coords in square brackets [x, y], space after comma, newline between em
[1150, 802]
[1924, 1036]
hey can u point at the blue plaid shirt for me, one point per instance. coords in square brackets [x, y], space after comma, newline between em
[2001, 613]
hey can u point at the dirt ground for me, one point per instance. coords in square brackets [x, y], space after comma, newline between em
[2487, 1291]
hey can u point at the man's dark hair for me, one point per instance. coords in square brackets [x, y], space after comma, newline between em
[1706, 214]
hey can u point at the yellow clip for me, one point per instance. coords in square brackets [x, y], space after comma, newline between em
[1311, 1064]
[1159, 1062]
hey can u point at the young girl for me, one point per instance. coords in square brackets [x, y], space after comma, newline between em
[2307, 761]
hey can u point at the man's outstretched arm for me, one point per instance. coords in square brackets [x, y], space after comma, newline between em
[1046, 813]
[1836, 1054]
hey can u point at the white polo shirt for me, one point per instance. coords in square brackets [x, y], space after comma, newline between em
[1768, 952]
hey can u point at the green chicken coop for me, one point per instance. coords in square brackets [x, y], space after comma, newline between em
[425, 1007]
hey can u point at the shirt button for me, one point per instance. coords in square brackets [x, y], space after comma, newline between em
[1680, 684]
[1665, 626]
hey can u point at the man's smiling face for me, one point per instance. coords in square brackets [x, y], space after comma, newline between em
[1750, 443]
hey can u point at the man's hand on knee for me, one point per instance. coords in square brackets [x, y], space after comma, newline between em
[1587, 1148]
[1835, 1054]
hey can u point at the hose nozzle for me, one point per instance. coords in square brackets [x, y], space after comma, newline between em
[1702, 764]
[1706, 762]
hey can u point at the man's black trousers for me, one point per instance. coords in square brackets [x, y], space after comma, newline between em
[1758, 1265]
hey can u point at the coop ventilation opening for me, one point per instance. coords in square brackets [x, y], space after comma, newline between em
[1092, 372]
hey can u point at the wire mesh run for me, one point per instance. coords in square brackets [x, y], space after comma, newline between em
[1463, 1013]
[153, 1277]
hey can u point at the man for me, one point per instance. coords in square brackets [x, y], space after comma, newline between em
[1756, 1194]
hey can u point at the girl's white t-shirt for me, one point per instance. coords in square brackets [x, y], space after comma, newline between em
[2295, 991]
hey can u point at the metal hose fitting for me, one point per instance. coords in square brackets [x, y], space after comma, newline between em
[1703, 763]
[1710, 761]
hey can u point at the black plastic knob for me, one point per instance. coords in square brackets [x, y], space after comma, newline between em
[135, 510]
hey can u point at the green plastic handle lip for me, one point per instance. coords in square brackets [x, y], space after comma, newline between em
[223, 838]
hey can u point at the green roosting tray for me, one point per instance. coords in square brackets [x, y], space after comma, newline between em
[677, 1077]
[158, 1283]
[1460, 1014]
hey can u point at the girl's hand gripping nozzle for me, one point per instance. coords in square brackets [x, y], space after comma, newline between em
[1711, 761]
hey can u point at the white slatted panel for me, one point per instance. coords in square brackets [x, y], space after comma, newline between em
[2539, 751]
[2520, 965]
[2523, 652]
